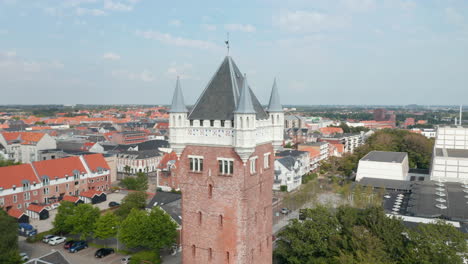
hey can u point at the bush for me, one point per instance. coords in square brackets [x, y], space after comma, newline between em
[308, 177]
[284, 188]
[149, 257]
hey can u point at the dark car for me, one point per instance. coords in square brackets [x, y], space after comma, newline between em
[68, 244]
[77, 246]
[102, 252]
[113, 204]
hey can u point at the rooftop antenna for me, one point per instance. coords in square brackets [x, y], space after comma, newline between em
[227, 43]
[461, 111]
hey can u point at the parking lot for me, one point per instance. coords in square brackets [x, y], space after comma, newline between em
[45, 225]
[83, 256]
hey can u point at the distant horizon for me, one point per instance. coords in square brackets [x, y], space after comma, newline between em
[344, 52]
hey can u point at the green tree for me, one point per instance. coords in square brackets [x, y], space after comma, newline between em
[135, 200]
[9, 253]
[154, 230]
[106, 226]
[137, 183]
[83, 220]
[60, 223]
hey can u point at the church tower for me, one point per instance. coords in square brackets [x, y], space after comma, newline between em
[226, 150]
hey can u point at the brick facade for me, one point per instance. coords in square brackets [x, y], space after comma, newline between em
[232, 223]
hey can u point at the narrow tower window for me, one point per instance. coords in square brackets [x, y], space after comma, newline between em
[210, 190]
[210, 254]
[193, 250]
[199, 218]
[220, 221]
[227, 257]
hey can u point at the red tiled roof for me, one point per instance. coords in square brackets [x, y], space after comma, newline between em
[13, 212]
[96, 161]
[58, 167]
[69, 198]
[339, 147]
[166, 158]
[26, 138]
[36, 208]
[331, 130]
[90, 193]
[14, 175]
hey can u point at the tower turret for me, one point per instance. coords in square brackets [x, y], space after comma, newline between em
[177, 120]
[245, 123]
[275, 110]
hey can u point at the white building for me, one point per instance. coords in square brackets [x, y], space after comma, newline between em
[450, 159]
[289, 171]
[25, 146]
[384, 165]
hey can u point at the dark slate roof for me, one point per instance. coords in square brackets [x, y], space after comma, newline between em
[178, 104]
[220, 98]
[385, 156]
[287, 162]
[142, 154]
[143, 146]
[274, 105]
[292, 153]
[170, 203]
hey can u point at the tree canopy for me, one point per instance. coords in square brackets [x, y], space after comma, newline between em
[153, 230]
[137, 183]
[60, 223]
[83, 220]
[9, 253]
[106, 226]
[135, 200]
[366, 236]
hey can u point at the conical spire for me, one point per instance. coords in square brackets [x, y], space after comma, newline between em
[178, 105]
[274, 105]
[245, 105]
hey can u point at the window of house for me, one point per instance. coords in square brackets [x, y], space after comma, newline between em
[27, 196]
[76, 176]
[26, 186]
[212, 123]
[46, 190]
[2, 201]
[222, 123]
[56, 188]
[15, 199]
[226, 166]
[196, 163]
[253, 165]
[19, 206]
[266, 161]
[45, 181]
[35, 193]
[67, 186]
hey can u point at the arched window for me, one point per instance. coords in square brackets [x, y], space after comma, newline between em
[221, 221]
[210, 190]
[199, 218]
[180, 121]
[272, 119]
[194, 252]
[227, 257]
[277, 119]
[210, 254]
[247, 122]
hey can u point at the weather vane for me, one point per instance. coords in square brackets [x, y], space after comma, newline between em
[227, 43]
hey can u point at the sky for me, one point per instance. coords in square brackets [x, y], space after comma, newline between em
[321, 51]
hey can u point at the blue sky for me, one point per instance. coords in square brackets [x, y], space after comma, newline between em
[322, 52]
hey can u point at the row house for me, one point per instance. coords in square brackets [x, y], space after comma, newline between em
[25, 146]
[48, 181]
[322, 147]
[345, 143]
[132, 162]
[301, 135]
[290, 166]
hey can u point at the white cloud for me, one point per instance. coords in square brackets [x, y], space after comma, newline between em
[305, 21]
[181, 70]
[116, 6]
[12, 64]
[208, 27]
[175, 23]
[176, 41]
[360, 5]
[240, 27]
[144, 76]
[111, 56]
[87, 11]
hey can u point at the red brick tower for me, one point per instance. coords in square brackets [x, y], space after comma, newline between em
[226, 149]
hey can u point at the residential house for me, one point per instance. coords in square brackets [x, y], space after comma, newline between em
[290, 166]
[25, 146]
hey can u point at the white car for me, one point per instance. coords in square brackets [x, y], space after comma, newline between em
[24, 256]
[56, 240]
[55, 205]
[46, 238]
[125, 260]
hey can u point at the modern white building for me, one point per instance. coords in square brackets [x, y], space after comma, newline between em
[384, 165]
[450, 159]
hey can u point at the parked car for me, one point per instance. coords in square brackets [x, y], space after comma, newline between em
[285, 211]
[102, 252]
[77, 246]
[24, 256]
[113, 204]
[126, 260]
[56, 240]
[46, 238]
[55, 205]
[68, 244]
